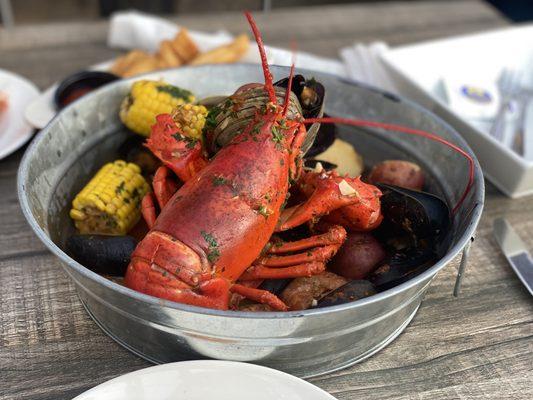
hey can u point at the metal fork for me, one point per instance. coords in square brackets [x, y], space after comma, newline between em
[509, 86]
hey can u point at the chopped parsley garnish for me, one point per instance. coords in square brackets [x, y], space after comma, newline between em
[219, 180]
[213, 253]
[175, 92]
[257, 128]
[120, 188]
[211, 119]
[190, 142]
[263, 211]
[277, 136]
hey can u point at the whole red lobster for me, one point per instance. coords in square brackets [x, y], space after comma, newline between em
[215, 230]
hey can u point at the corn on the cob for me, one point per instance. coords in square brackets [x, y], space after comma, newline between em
[110, 203]
[191, 119]
[146, 100]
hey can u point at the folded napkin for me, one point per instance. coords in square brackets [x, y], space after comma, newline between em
[132, 29]
[363, 63]
[136, 30]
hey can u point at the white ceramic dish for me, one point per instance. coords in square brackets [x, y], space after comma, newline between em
[14, 130]
[203, 380]
[418, 71]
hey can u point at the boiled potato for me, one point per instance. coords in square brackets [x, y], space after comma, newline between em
[398, 172]
[360, 254]
[343, 154]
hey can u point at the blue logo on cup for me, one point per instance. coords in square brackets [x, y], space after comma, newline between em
[477, 94]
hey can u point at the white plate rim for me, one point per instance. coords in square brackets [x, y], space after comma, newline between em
[240, 366]
[28, 129]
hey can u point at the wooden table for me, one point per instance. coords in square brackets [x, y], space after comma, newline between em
[477, 346]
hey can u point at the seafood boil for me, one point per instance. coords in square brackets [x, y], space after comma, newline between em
[241, 217]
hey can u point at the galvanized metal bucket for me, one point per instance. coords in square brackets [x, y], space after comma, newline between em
[305, 343]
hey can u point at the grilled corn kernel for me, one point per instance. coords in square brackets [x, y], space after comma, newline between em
[110, 203]
[146, 100]
[191, 119]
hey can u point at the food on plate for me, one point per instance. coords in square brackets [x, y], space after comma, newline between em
[360, 254]
[4, 102]
[398, 172]
[239, 220]
[109, 203]
[176, 52]
[146, 100]
[229, 53]
[343, 154]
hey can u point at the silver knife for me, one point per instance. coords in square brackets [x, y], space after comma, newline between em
[515, 251]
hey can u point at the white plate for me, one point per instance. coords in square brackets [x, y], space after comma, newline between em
[418, 71]
[205, 380]
[14, 130]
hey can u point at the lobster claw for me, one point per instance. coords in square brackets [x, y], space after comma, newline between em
[348, 199]
[182, 154]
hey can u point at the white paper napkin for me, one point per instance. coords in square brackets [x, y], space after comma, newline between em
[135, 30]
[363, 63]
[132, 29]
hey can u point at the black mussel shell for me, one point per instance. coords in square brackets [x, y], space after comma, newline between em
[275, 286]
[402, 266]
[327, 133]
[312, 162]
[351, 291]
[102, 254]
[76, 85]
[310, 93]
[416, 231]
[418, 214]
[133, 150]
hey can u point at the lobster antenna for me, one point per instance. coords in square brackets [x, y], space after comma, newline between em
[269, 86]
[411, 131]
[289, 84]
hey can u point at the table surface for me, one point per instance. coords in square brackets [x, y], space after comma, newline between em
[476, 346]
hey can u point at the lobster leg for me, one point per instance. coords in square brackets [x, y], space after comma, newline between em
[335, 234]
[319, 249]
[319, 254]
[148, 209]
[295, 271]
[260, 296]
[164, 186]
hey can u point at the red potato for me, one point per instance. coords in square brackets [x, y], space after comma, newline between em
[360, 254]
[398, 172]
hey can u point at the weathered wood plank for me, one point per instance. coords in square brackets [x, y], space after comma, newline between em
[477, 346]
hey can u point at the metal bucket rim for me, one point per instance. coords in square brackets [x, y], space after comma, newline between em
[477, 190]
